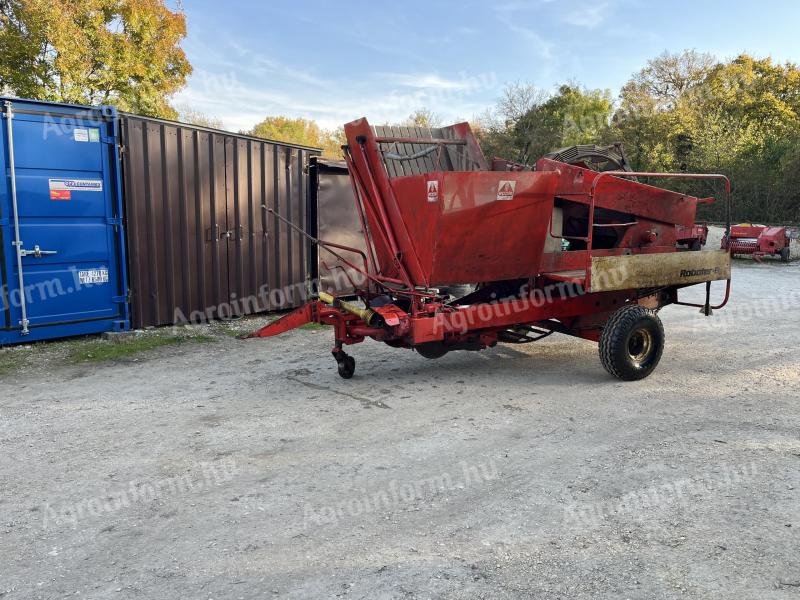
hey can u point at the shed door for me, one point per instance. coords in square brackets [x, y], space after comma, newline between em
[64, 197]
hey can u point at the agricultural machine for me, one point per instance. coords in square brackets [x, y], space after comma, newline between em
[437, 214]
[758, 241]
[693, 237]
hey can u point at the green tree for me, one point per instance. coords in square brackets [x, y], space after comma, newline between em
[741, 118]
[528, 123]
[122, 52]
[300, 131]
[496, 128]
[187, 114]
[424, 118]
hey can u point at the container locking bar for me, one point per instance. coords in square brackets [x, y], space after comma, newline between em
[17, 241]
[37, 252]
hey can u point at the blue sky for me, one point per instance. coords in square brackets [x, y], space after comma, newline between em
[337, 61]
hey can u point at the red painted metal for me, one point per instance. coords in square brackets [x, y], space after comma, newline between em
[757, 240]
[495, 226]
[694, 236]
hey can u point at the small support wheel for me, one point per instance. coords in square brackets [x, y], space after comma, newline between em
[696, 246]
[785, 252]
[632, 342]
[346, 365]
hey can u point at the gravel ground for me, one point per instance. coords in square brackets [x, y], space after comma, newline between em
[249, 469]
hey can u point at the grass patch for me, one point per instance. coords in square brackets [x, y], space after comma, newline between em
[102, 350]
[231, 332]
[313, 326]
[10, 361]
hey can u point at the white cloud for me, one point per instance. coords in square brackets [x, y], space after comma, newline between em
[240, 86]
[240, 105]
[586, 15]
[427, 81]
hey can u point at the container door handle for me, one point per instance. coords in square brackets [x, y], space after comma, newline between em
[37, 252]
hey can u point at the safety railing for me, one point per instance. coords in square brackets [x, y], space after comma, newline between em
[607, 174]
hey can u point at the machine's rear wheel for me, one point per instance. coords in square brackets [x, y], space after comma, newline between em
[785, 254]
[632, 342]
[696, 246]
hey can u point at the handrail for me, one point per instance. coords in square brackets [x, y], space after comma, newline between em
[607, 174]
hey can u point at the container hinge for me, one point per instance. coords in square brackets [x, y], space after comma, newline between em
[108, 139]
[120, 299]
[113, 221]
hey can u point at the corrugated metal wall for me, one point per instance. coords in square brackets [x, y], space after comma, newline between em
[200, 244]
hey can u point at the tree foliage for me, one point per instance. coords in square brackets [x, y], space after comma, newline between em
[681, 112]
[187, 114]
[741, 118]
[528, 123]
[300, 131]
[422, 118]
[122, 52]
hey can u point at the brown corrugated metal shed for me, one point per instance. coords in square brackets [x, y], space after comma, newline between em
[200, 242]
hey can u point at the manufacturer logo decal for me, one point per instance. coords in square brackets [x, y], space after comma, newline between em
[433, 191]
[76, 185]
[700, 272]
[505, 190]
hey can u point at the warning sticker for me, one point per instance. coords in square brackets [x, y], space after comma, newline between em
[93, 276]
[94, 135]
[60, 194]
[76, 185]
[505, 190]
[433, 191]
[81, 135]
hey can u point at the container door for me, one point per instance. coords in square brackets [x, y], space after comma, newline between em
[65, 196]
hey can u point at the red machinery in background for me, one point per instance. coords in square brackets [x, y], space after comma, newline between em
[436, 214]
[694, 237]
[758, 241]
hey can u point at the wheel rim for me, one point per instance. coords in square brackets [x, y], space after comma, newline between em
[640, 346]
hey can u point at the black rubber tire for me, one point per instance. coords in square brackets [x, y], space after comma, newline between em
[346, 366]
[431, 350]
[695, 246]
[627, 329]
[785, 253]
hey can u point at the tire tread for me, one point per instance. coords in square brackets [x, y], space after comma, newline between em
[615, 328]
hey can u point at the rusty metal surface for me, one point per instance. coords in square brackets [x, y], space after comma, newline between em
[201, 245]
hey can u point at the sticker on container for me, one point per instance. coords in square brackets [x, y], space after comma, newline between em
[77, 185]
[60, 195]
[433, 191]
[92, 276]
[81, 135]
[505, 190]
[94, 135]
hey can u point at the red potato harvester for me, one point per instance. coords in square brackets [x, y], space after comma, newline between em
[553, 248]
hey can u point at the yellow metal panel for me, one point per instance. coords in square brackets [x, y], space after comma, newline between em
[611, 273]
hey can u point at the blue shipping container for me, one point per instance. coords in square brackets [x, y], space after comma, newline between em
[62, 251]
